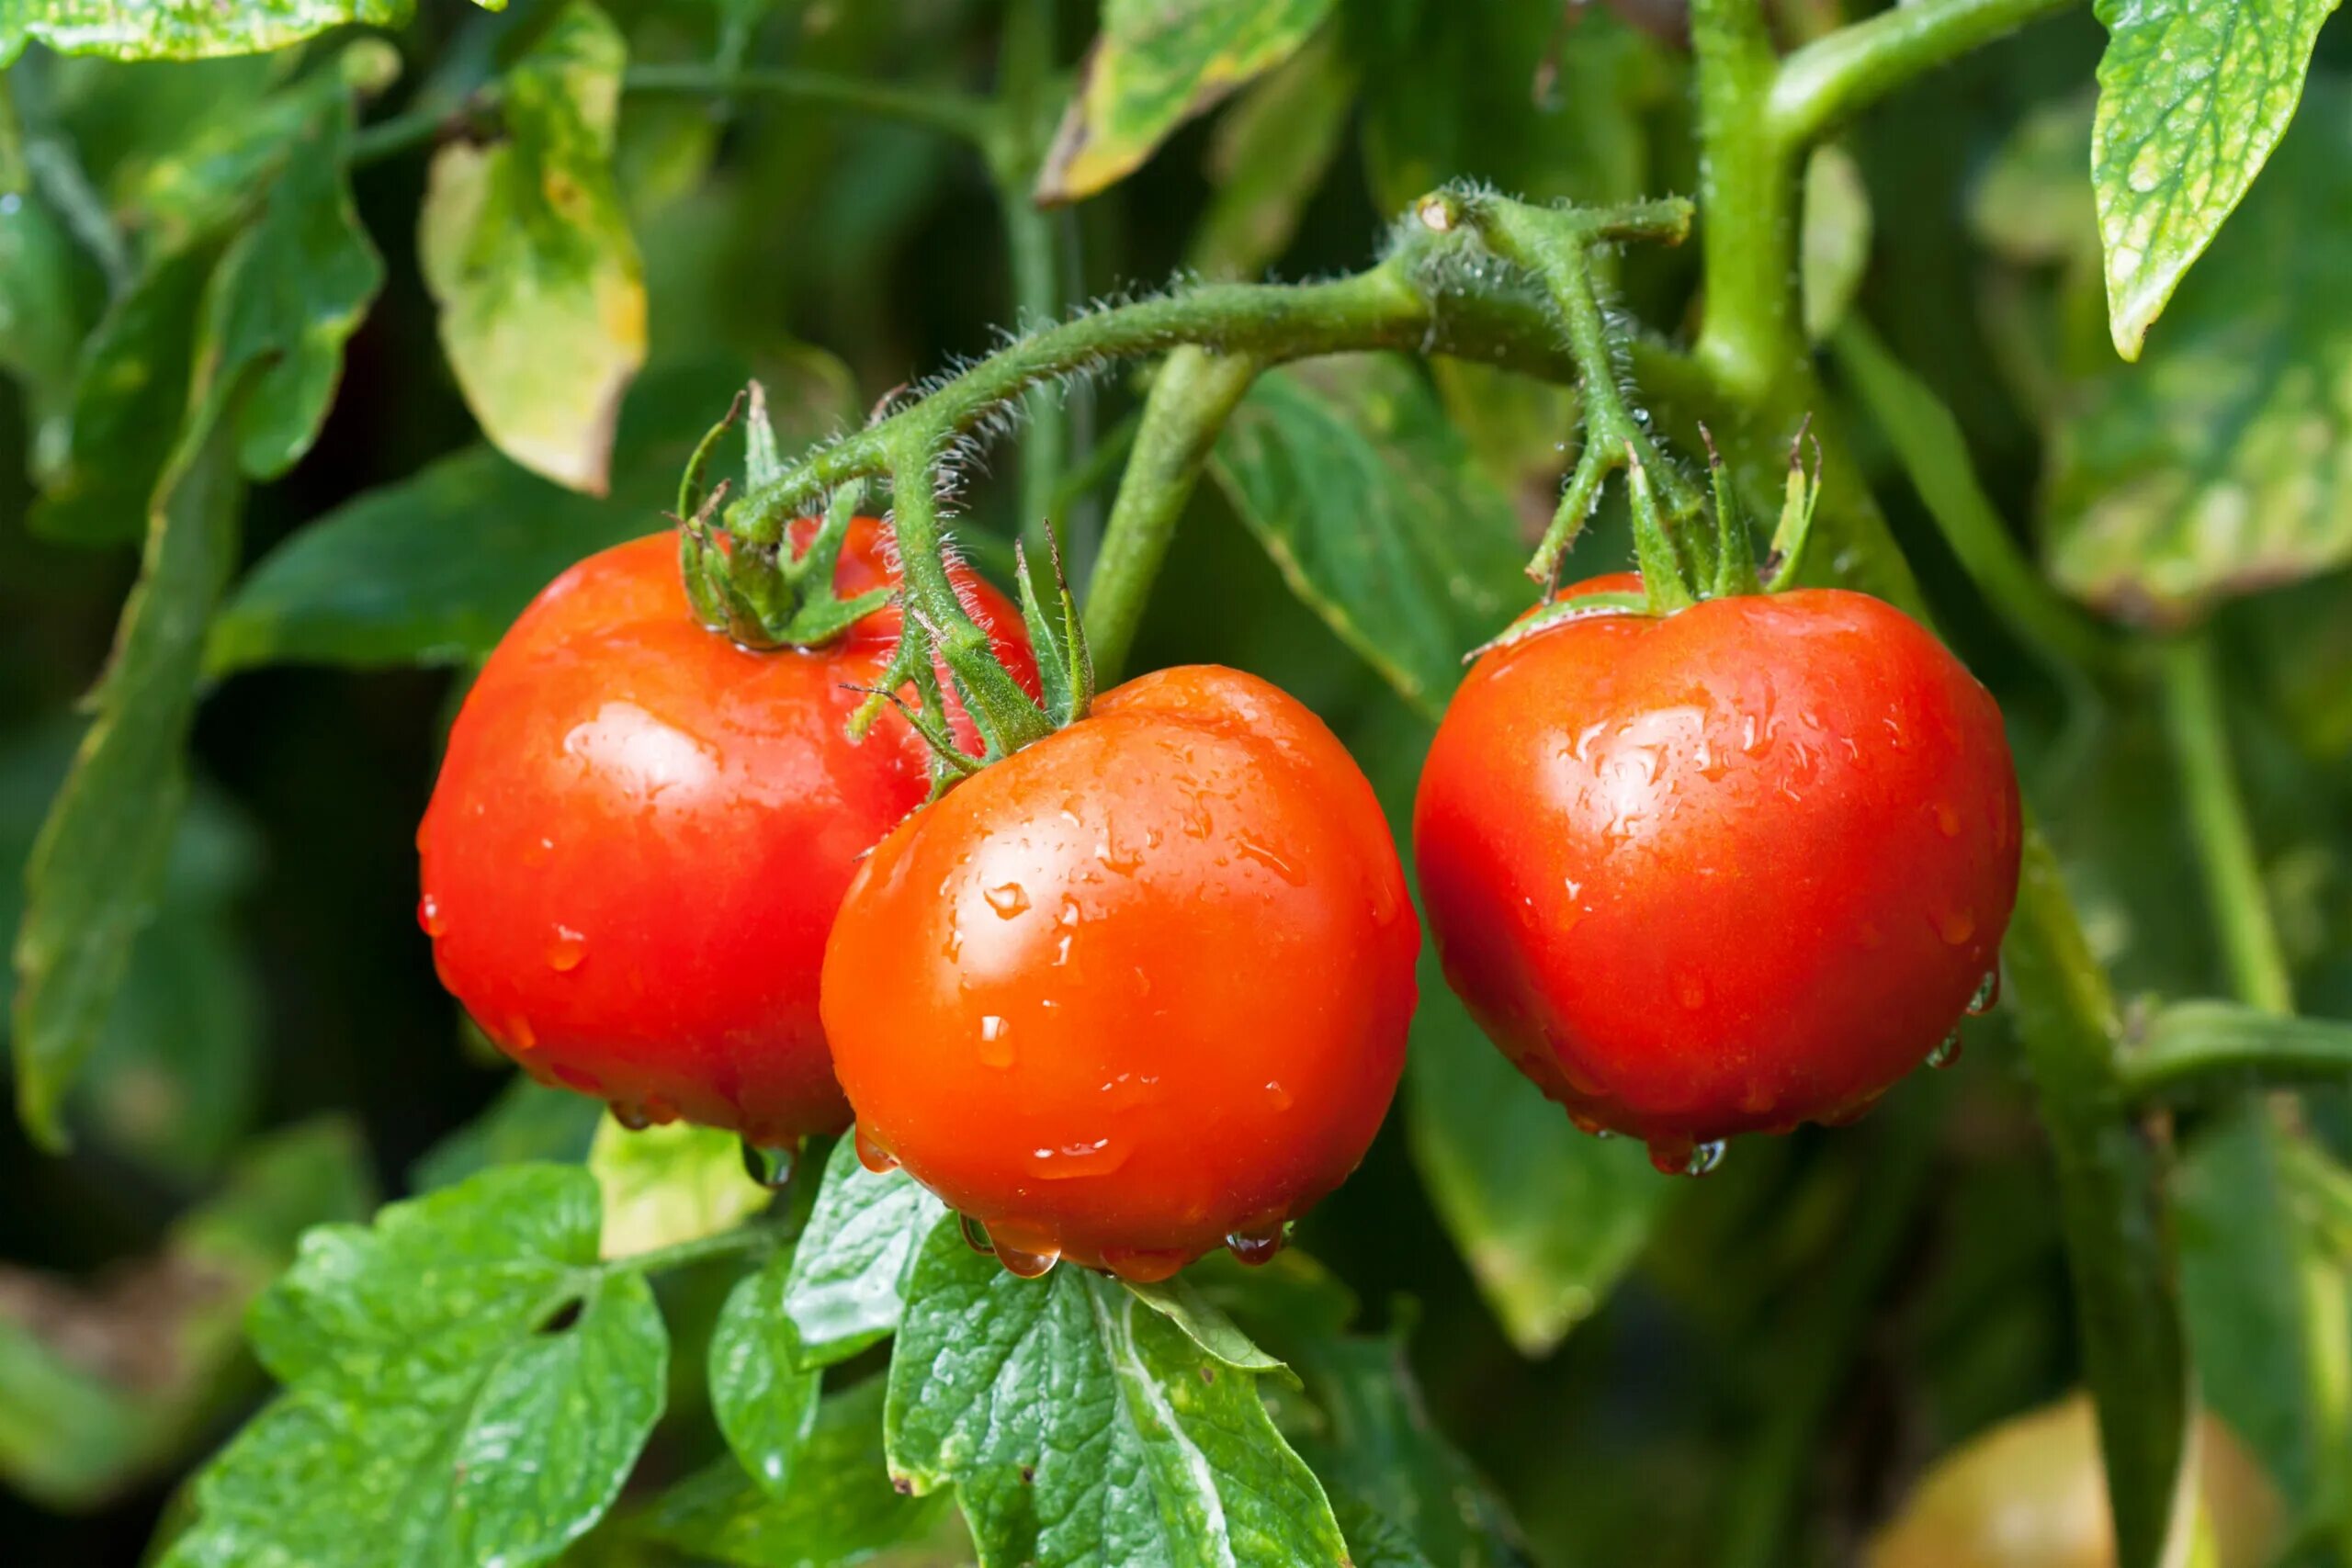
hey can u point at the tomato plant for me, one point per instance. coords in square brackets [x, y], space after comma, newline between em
[952, 581]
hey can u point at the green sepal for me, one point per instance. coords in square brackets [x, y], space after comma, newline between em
[1065, 668]
[1734, 551]
[1663, 568]
[691, 494]
[818, 623]
[1795, 527]
[1559, 611]
[762, 463]
[1007, 718]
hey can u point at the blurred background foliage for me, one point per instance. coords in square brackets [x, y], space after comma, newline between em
[1755, 1368]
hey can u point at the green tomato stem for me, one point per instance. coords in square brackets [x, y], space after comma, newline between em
[2194, 1048]
[1830, 80]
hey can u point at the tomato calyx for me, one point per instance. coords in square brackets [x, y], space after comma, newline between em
[749, 585]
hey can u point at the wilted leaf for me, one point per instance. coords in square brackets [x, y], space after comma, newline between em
[525, 248]
[444, 1404]
[1157, 63]
[2192, 96]
[668, 1184]
[2223, 462]
[1079, 1426]
[1369, 502]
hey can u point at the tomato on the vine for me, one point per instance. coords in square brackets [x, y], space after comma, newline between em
[1726, 870]
[641, 833]
[1138, 990]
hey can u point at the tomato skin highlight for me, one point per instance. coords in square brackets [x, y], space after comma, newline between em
[1140, 988]
[1725, 871]
[641, 833]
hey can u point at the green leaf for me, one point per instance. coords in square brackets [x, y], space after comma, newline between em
[1156, 65]
[289, 290]
[439, 1408]
[846, 1286]
[1373, 508]
[102, 1387]
[2214, 467]
[97, 870]
[182, 29]
[1079, 1426]
[1272, 151]
[43, 314]
[839, 1509]
[2193, 94]
[765, 1405]
[672, 1183]
[1181, 1302]
[526, 250]
[528, 1121]
[1834, 241]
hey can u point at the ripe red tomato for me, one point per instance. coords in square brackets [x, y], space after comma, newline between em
[640, 833]
[1724, 871]
[1138, 989]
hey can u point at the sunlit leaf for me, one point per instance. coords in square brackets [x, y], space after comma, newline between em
[182, 29]
[846, 1285]
[1157, 63]
[526, 250]
[669, 1184]
[2193, 96]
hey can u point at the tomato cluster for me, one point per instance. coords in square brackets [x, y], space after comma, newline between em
[1141, 988]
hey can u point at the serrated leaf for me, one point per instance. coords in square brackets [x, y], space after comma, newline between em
[97, 870]
[527, 1121]
[1079, 1426]
[526, 250]
[765, 1405]
[289, 290]
[1156, 65]
[2223, 462]
[846, 1285]
[1377, 514]
[184, 29]
[2193, 94]
[101, 1387]
[669, 1184]
[839, 1509]
[437, 1409]
[1834, 239]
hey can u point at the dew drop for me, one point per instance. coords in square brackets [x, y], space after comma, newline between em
[772, 1165]
[1026, 1265]
[519, 1035]
[1946, 819]
[1947, 1050]
[1988, 994]
[873, 1156]
[995, 1041]
[1008, 900]
[429, 918]
[976, 1236]
[660, 1111]
[1258, 1245]
[632, 1117]
[566, 950]
[1270, 861]
[1704, 1159]
[1676, 1157]
[1956, 926]
[1280, 1097]
[1143, 1265]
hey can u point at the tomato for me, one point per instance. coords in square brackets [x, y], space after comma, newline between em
[641, 833]
[2031, 1493]
[1722, 870]
[1140, 988]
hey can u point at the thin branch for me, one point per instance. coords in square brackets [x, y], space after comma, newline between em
[1830, 79]
[2195, 1047]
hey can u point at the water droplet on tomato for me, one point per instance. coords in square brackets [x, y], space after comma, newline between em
[1703, 1158]
[633, 1117]
[429, 918]
[1270, 861]
[1956, 926]
[1947, 1050]
[519, 1035]
[995, 1041]
[660, 1111]
[771, 1164]
[1026, 1265]
[1946, 819]
[873, 1156]
[1680, 1156]
[566, 950]
[976, 1236]
[537, 853]
[1079, 1157]
[1143, 1265]
[1280, 1096]
[1988, 994]
[1008, 900]
[1258, 1245]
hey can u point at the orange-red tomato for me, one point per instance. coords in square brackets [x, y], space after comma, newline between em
[1140, 988]
[640, 833]
[1723, 871]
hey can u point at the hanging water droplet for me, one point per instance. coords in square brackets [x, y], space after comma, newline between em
[632, 1117]
[1258, 1245]
[873, 1156]
[995, 1041]
[771, 1164]
[975, 1235]
[1956, 926]
[565, 952]
[428, 916]
[1026, 1265]
[1988, 994]
[1947, 1050]
[1674, 1157]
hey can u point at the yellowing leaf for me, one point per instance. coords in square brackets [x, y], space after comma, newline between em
[525, 246]
[669, 1184]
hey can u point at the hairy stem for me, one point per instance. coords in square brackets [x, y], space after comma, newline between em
[1194, 394]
